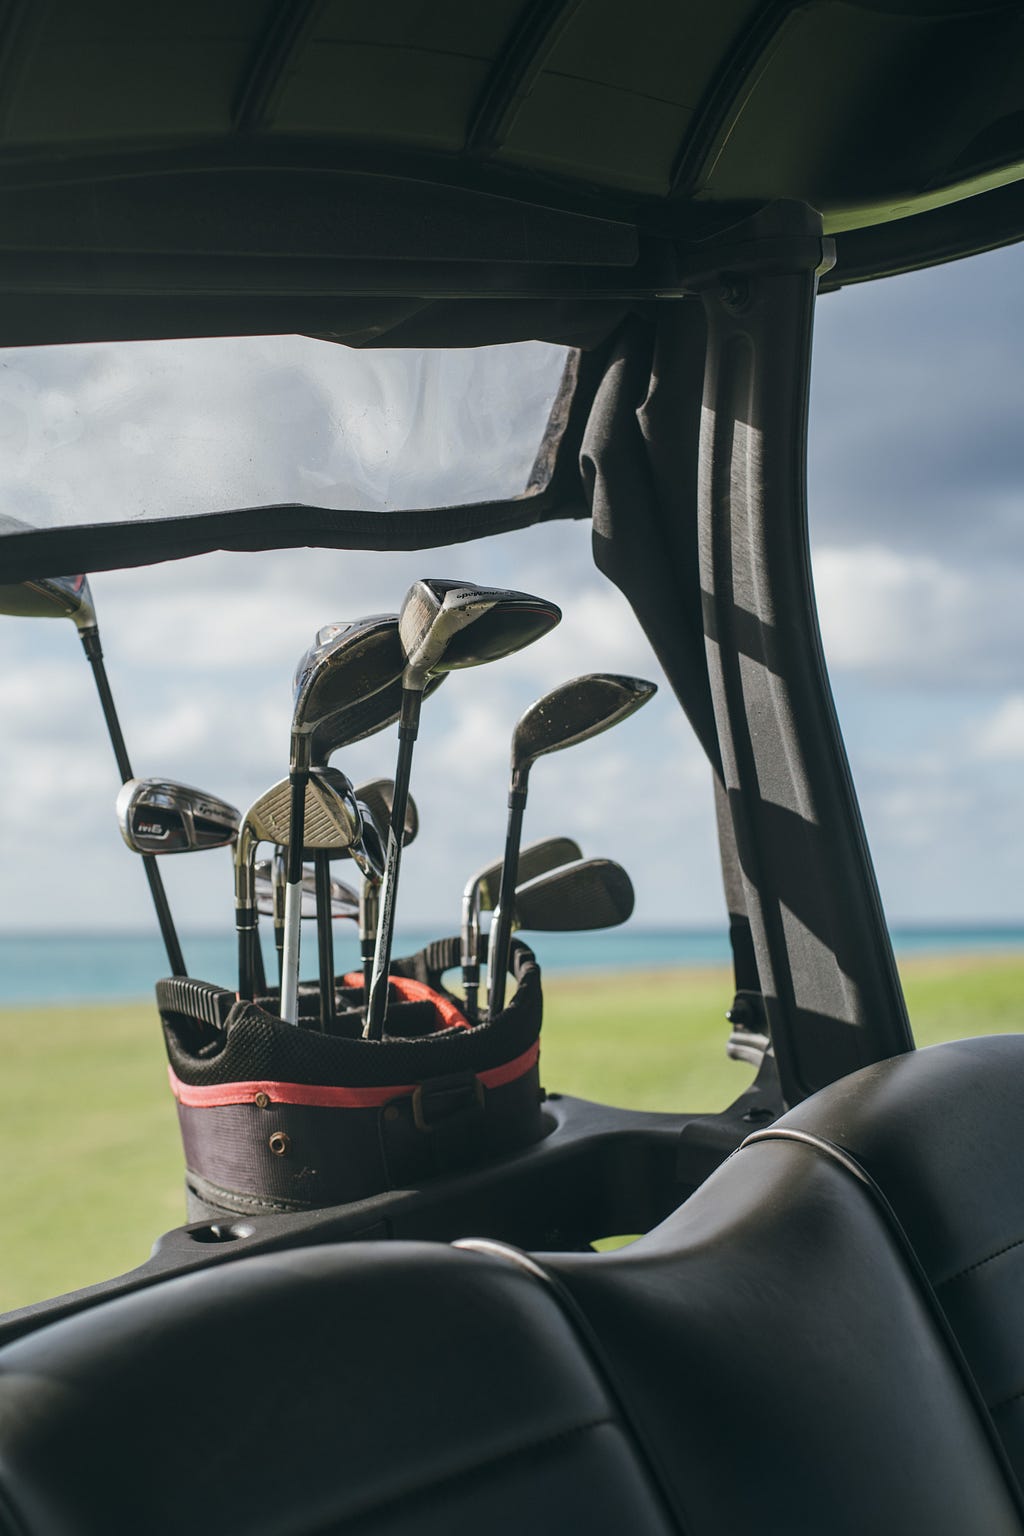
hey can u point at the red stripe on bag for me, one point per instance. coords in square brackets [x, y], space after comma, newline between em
[324, 1097]
[418, 992]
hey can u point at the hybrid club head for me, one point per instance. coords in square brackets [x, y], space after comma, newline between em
[344, 900]
[593, 893]
[160, 816]
[46, 597]
[574, 712]
[447, 625]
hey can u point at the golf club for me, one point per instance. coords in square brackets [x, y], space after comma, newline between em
[158, 816]
[377, 798]
[574, 712]
[346, 665]
[344, 900]
[481, 895]
[443, 626]
[69, 597]
[593, 893]
[331, 819]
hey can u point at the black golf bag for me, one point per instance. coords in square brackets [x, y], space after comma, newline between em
[279, 1117]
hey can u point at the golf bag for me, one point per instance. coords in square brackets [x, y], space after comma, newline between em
[276, 1117]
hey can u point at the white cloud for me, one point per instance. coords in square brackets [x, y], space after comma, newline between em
[879, 609]
[1001, 736]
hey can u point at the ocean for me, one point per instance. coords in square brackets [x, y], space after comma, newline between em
[109, 967]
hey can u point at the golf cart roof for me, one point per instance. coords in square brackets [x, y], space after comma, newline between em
[460, 176]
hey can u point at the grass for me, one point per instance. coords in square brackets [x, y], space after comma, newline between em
[89, 1138]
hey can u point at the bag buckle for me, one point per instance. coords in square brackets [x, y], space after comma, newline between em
[443, 1099]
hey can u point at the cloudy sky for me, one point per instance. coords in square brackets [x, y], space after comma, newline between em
[917, 519]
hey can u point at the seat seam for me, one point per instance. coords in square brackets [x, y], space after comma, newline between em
[846, 1160]
[432, 1485]
[979, 1263]
[576, 1316]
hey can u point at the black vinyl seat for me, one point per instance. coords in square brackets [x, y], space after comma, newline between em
[814, 1344]
[374, 1388]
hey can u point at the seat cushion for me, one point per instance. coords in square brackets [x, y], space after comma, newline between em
[783, 1365]
[941, 1133]
[379, 1387]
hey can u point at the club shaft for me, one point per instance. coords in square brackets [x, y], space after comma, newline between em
[501, 928]
[277, 878]
[94, 651]
[377, 1002]
[470, 951]
[325, 939]
[293, 894]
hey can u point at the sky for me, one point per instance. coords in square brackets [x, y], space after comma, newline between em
[917, 528]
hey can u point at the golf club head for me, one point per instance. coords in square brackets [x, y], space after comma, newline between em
[573, 712]
[346, 665]
[46, 597]
[377, 796]
[160, 816]
[593, 893]
[535, 859]
[369, 851]
[331, 821]
[344, 900]
[447, 625]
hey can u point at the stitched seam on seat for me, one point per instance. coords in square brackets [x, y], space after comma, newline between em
[978, 1263]
[579, 1322]
[433, 1485]
[850, 1164]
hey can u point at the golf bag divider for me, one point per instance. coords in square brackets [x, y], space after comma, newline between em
[276, 1117]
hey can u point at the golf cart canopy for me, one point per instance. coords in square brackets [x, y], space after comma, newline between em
[464, 176]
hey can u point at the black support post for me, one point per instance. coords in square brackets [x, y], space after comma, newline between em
[831, 991]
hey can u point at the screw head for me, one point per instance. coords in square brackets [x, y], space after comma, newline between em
[261, 1100]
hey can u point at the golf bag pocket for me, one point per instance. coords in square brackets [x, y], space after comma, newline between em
[276, 1117]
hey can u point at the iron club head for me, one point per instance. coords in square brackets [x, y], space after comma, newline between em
[161, 816]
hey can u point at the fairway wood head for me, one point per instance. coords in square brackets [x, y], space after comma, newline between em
[344, 900]
[46, 597]
[347, 664]
[573, 712]
[446, 625]
[594, 893]
[160, 816]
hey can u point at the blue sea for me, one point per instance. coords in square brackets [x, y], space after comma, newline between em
[63, 967]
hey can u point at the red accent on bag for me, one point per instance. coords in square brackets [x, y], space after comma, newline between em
[324, 1097]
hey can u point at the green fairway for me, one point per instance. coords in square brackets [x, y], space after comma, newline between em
[89, 1136]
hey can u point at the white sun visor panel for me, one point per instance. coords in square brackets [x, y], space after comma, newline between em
[121, 432]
